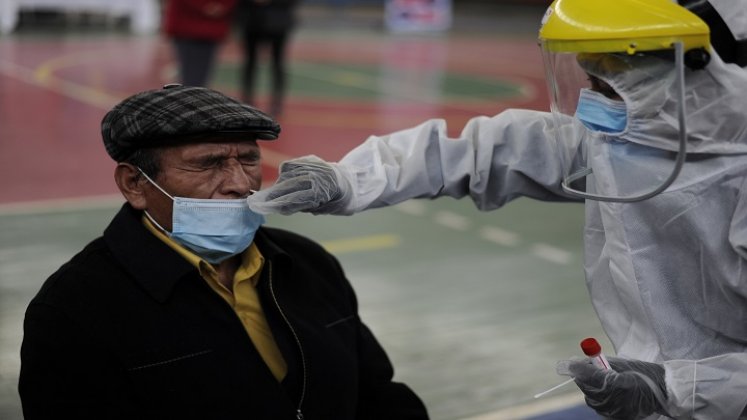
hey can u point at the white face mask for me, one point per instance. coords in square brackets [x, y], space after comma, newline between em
[213, 229]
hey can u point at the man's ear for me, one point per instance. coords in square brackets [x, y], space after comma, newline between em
[132, 184]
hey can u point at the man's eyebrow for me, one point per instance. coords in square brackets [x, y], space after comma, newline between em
[214, 157]
[209, 157]
[251, 154]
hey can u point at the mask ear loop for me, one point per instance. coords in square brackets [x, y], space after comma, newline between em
[150, 218]
[163, 191]
[681, 153]
[154, 184]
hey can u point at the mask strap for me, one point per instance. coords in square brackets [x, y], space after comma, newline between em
[162, 190]
[154, 184]
[152, 220]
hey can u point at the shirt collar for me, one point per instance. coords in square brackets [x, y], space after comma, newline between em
[251, 258]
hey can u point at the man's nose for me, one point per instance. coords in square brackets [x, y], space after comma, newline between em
[237, 183]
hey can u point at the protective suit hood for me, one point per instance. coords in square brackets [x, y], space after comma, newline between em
[734, 14]
[715, 97]
[715, 100]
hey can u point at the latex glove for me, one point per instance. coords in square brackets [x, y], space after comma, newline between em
[631, 389]
[306, 184]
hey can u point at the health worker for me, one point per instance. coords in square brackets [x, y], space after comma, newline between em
[648, 127]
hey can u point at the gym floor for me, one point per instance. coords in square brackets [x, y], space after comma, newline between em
[473, 308]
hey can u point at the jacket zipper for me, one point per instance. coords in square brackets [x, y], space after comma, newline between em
[299, 414]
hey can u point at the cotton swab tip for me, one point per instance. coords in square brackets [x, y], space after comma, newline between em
[553, 388]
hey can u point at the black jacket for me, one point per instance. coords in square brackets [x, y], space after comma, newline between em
[129, 330]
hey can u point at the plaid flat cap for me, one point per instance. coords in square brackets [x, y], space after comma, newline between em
[179, 114]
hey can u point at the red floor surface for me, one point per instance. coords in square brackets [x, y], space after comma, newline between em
[54, 92]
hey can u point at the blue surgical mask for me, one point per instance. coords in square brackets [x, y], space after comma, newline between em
[213, 229]
[599, 113]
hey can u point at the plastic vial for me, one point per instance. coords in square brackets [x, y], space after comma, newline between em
[593, 350]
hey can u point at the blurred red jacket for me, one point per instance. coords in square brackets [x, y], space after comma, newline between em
[198, 19]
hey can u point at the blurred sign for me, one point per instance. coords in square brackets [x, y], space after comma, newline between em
[144, 15]
[418, 15]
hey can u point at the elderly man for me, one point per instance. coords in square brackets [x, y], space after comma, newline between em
[186, 307]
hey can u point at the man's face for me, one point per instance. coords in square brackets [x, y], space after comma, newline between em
[214, 170]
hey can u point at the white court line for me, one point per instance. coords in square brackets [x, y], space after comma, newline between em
[452, 220]
[489, 233]
[412, 207]
[499, 236]
[62, 204]
[545, 406]
[552, 254]
[80, 92]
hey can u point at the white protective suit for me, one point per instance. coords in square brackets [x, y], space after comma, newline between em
[668, 275]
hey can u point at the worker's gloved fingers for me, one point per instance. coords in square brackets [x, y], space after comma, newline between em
[613, 395]
[623, 398]
[562, 367]
[588, 375]
[306, 184]
[282, 199]
[652, 371]
[631, 389]
[583, 371]
[648, 378]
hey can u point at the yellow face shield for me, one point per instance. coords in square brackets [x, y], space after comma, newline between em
[598, 55]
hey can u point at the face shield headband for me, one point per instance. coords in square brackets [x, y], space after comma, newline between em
[730, 49]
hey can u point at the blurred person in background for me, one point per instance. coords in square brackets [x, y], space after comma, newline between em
[647, 128]
[266, 27]
[197, 29]
[187, 307]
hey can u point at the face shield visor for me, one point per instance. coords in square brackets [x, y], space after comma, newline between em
[597, 89]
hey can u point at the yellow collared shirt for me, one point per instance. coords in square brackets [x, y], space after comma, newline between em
[243, 298]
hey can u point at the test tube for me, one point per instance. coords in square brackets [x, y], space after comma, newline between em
[593, 350]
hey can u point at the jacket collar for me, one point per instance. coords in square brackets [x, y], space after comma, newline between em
[269, 248]
[153, 265]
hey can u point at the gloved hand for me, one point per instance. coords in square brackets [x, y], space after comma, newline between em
[306, 184]
[631, 389]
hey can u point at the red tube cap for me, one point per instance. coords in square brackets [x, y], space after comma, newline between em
[590, 346]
